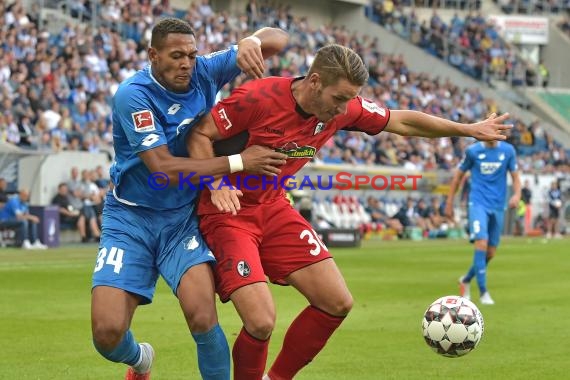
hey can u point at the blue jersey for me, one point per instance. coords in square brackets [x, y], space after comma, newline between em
[146, 115]
[13, 208]
[489, 167]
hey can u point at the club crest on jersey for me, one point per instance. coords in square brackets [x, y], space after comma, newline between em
[295, 151]
[190, 243]
[319, 128]
[143, 121]
[243, 268]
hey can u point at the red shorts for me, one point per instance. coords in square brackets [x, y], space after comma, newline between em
[270, 239]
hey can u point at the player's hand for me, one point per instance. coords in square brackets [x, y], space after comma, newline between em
[250, 58]
[226, 199]
[261, 160]
[514, 201]
[493, 128]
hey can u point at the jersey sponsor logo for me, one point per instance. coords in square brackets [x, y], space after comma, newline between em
[143, 121]
[190, 243]
[294, 151]
[490, 167]
[373, 107]
[243, 268]
[174, 108]
[319, 128]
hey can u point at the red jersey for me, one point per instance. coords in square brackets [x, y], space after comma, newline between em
[267, 110]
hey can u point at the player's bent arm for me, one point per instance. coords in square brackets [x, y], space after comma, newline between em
[273, 40]
[255, 159]
[254, 49]
[159, 159]
[415, 123]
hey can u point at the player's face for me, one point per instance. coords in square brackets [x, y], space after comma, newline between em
[173, 62]
[333, 100]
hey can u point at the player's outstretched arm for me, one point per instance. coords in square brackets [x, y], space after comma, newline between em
[414, 123]
[261, 45]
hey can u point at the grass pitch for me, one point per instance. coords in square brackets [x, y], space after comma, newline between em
[45, 305]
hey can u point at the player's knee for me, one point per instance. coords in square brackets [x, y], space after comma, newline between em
[343, 306]
[107, 336]
[338, 306]
[481, 245]
[261, 326]
[201, 322]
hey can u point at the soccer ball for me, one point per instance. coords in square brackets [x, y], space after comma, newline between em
[452, 326]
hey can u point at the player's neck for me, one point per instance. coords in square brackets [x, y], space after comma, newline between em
[491, 144]
[297, 89]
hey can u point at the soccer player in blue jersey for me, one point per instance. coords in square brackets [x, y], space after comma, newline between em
[488, 163]
[150, 229]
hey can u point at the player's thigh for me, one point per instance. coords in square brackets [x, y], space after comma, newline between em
[478, 223]
[324, 287]
[495, 228]
[236, 249]
[125, 259]
[181, 247]
[289, 243]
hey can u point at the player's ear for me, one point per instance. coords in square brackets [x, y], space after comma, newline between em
[314, 81]
[152, 55]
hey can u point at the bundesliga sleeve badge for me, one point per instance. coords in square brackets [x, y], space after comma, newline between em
[143, 121]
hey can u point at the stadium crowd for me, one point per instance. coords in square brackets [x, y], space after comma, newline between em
[56, 88]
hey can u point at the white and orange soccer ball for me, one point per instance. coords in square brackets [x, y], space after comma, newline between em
[452, 326]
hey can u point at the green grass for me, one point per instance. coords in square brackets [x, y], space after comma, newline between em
[45, 328]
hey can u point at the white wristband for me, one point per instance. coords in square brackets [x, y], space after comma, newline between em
[255, 39]
[236, 163]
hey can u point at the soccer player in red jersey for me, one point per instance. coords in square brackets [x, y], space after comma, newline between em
[268, 237]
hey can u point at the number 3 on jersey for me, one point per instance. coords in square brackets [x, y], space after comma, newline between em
[114, 258]
[313, 240]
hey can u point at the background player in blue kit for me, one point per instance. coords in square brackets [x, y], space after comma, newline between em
[147, 232]
[488, 163]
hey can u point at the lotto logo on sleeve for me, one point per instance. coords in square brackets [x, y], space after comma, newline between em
[143, 121]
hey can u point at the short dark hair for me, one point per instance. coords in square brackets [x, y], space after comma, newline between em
[167, 26]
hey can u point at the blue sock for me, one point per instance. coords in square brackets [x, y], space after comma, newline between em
[213, 354]
[480, 264]
[470, 274]
[128, 351]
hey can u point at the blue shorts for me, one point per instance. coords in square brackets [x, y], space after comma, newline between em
[485, 224]
[137, 244]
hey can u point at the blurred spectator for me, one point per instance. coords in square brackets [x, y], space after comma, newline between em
[16, 214]
[69, 216]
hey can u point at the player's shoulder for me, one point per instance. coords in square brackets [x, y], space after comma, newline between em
[475, 148]
[507, 147]
[138, 84]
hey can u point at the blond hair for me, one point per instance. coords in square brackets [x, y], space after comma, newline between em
[334, 62]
